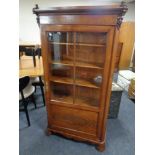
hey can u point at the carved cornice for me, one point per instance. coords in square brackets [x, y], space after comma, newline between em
[37, 18]
[119, 22]
[113, 9]
[118, 10]
[120, 18]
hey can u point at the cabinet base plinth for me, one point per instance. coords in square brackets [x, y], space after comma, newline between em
[100, 147]
[48, 132]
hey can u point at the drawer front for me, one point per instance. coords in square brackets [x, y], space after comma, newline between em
[73, 119]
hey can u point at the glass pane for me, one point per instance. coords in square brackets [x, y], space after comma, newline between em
[87, 96]
[90, 50]
[61, 53]
[61, 47]
[92, 57]
[91, 78]
[62, 92]
[76, 66]
[60, 37]
[91, 38]
[62, 74]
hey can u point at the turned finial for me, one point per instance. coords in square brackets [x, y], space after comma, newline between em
[36, 7]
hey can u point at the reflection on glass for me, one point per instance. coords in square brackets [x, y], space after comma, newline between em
[87, 96]
[90, 49]
[91, 38]
[62, 53]
[77, 65]
[62, 73]
[88, 77]
[90, 56]
[62, 92]
[61, 47]
[60, 37]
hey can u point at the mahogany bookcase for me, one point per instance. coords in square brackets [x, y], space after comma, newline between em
[79, 46]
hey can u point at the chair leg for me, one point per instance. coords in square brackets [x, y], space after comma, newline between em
[33, 100]
[42, 91]
[35, 88]
[27, 114]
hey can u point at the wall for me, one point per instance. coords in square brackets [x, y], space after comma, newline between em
[28, 28]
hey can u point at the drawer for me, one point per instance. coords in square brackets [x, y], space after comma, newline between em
[73, 119]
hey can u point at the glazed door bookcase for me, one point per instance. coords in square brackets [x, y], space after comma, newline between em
[79, 47]
[76, 64]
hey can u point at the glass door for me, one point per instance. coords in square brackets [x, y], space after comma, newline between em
[61, 66]
[89, 65]
[76, 67]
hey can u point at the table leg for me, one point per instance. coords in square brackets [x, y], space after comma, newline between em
[34, 58]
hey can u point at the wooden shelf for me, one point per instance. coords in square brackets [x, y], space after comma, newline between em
[60, 43]
[77, 64]
[86, 102]
[90, 45]
[78, 44]
[89, 102]
[87, 65]
[81, 82]
[78, 82]
[64, 80]
[63, 62]
[62, 98]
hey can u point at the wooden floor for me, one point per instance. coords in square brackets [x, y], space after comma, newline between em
[26, 66]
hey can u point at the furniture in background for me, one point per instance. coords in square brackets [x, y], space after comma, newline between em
[131, 90]
[127, 37]
[37, 81]
[118, 56]
[133, 62]
[26, 91]
[115, 101]
[22, 50]
[30, 49]
[79, 46]
[38, 51]
[124, 78]
[33, 52]
[26, 68]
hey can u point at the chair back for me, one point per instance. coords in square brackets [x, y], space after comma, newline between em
[30, 51]
[22, 49]
[23, 82]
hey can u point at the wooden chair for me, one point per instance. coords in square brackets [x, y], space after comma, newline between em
[38, 52]
[26, 91]
[37, 81]
[30, 51]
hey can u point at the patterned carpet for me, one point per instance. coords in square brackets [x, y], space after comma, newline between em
[33, 141]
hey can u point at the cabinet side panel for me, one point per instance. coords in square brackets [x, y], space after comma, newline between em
[109, 83]
[103, 97]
